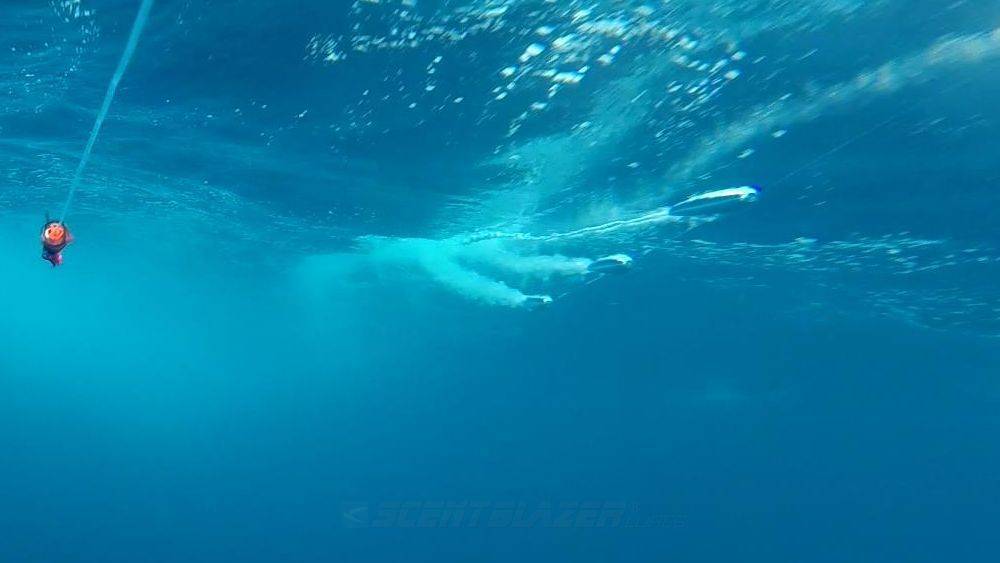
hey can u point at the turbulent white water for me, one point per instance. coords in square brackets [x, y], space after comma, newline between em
[589, 121]
[946, 55]
[548, 166]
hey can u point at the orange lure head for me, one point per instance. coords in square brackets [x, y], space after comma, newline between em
[54, 233]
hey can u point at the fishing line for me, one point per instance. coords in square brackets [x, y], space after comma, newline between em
[109, 96]
[812, 162]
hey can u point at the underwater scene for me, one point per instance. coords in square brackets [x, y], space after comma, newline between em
[499, 280]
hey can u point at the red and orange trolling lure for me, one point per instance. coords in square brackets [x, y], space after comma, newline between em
[55, 237]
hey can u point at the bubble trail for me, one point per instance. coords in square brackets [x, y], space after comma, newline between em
[109, 96]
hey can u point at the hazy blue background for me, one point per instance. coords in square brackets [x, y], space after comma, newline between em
[812, 378]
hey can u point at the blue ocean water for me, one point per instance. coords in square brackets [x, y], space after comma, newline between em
[332, 295]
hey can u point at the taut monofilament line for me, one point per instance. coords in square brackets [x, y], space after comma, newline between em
[109, 96]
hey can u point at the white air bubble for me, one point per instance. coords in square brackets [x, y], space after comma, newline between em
[532, 51]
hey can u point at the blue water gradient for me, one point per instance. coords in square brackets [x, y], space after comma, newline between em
[302, 319]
